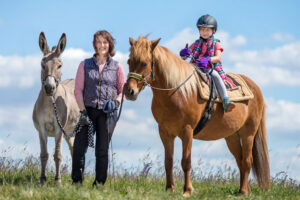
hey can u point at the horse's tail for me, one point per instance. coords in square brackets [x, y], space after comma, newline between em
[260, 166]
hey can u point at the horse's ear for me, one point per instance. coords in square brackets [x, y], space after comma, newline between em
[154, 43]
[61, 44]
[131, 41]
[43, 43]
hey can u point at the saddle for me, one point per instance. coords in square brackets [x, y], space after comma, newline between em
[237, 88]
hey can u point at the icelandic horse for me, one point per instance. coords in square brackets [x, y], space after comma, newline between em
[43, 114]
[177, 113]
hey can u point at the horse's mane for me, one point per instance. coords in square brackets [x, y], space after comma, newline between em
[176, 70]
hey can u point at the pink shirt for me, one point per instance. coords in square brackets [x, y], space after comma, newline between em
[79, 80]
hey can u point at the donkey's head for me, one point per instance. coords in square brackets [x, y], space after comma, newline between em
[140, 65]
[51, 63]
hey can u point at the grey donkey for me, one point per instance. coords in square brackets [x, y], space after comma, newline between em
[43, 114]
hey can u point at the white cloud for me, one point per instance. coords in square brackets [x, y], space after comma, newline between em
[283, 115]
[282, 37]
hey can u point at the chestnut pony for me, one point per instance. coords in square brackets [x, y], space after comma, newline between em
[177, 112]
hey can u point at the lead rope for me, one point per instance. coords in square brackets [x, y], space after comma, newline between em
[77, 128]
[111, 163]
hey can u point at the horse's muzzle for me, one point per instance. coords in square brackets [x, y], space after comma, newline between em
[130, 93]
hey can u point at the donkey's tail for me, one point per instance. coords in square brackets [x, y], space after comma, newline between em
[260, 166]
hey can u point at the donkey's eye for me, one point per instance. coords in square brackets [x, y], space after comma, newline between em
[59, 67]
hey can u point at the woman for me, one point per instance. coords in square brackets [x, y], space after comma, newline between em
[98, 80]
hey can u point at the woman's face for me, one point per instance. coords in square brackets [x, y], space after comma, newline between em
[205, 32]
[101, 46]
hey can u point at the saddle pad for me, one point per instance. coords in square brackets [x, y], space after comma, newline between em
[239, 93]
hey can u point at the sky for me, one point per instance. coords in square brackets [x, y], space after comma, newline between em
[261, 39]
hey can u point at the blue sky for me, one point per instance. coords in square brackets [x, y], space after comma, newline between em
[260, 39]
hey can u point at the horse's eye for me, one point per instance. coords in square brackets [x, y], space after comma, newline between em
[43, 67]
[128, 61]
[59, 67]
[144, 64]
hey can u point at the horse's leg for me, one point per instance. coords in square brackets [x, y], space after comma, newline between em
[168, 142]
[43, 155]
[235, 147]
[247, 144]
[187, 140]
[58, 157]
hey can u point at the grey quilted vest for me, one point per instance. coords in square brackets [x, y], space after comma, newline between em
[98, 89]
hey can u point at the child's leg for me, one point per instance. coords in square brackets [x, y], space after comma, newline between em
[219, 84]
[228, 105]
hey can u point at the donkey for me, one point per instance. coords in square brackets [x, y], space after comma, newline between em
[43, 114]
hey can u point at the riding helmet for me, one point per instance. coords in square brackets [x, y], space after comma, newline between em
[207, 21]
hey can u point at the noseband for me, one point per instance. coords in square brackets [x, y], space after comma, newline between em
[56, 80]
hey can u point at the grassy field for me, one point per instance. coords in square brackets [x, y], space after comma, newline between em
[20, 180]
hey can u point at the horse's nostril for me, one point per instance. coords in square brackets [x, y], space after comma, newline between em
[131, 92]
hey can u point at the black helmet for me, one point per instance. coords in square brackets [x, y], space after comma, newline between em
[207, 21]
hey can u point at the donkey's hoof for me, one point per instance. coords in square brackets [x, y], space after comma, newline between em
[58, 182]
[43, 180]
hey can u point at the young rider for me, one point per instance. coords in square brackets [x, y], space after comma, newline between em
[206, 51]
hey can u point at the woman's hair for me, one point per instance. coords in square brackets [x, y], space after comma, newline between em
[111, 41]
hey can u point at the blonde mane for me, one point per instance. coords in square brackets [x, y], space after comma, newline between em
[176, 71]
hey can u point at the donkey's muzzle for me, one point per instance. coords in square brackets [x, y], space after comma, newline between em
[50, 89]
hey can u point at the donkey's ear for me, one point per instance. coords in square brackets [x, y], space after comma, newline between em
[131, 41]
[43, 43]
[61, 44]
[154, 43]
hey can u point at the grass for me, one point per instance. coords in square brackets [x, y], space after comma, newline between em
[19, 179]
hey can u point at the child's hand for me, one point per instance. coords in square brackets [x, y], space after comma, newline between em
[184, 53]
[204, 62]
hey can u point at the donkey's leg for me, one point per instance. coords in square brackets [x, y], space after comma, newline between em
[247, 144]
[58, 156]
[235, 147]
[187, 140]
[70, 142]
[168, 142]
[43, 155]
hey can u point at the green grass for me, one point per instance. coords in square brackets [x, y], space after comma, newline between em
[20, 180]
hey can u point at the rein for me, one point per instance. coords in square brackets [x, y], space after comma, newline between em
[139, 77]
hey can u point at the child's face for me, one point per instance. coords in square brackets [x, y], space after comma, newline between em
[205, 32]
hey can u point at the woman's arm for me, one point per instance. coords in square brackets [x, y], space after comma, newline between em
[121, 82]
[79, 86]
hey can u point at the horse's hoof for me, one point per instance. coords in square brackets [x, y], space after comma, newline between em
[170, 189]
[188, 192]
[243, 193]
[43, 180]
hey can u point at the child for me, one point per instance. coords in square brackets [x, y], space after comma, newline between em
[206, 51]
